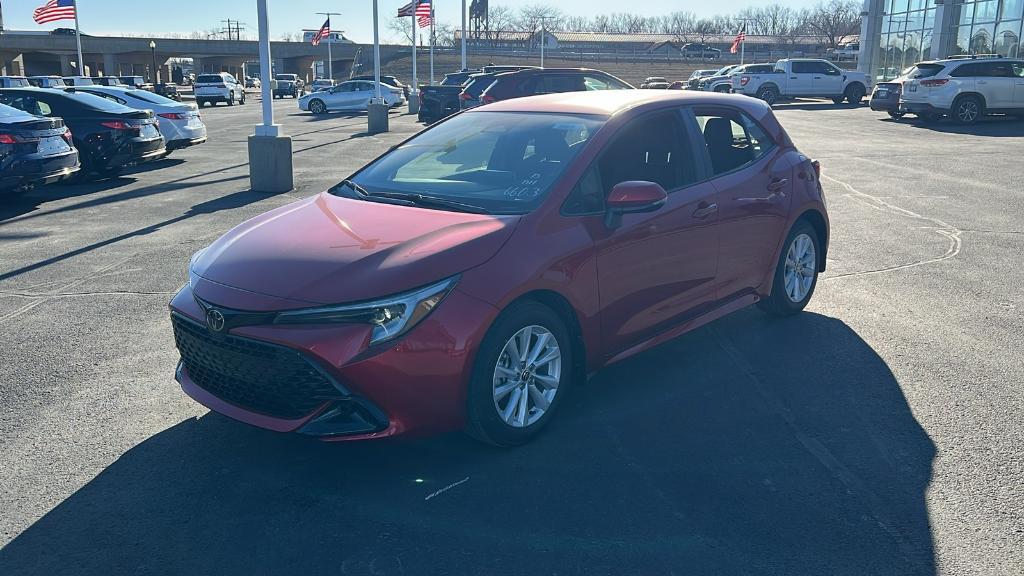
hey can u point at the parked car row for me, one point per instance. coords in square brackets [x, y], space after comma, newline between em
[351, 96]
[90, 131]
[962, 88]
[494, 84]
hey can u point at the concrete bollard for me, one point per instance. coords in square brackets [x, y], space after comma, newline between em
[270, 164]
[377, 116]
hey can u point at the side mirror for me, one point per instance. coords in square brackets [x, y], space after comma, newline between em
[632, 198]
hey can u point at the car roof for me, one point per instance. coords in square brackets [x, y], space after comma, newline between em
[612, 102]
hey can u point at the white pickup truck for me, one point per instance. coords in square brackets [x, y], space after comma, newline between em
[804, 77]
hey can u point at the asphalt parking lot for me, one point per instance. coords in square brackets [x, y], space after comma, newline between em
[881, 432]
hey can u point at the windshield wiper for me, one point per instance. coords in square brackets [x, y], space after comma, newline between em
[416, 199]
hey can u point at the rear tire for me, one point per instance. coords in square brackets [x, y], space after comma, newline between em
[967, 110]
[505, 397]
[895, 115]
[231, 99]
[796, 273]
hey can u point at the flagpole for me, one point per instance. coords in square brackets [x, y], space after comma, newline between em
[463, 34]
[330, 56]
[415, 86]
[432, 39]
[78, 39]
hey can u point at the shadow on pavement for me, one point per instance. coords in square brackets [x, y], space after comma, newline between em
[229, 202]
[991, 126]
[754, 446]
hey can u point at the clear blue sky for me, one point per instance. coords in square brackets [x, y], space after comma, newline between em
[183, 16]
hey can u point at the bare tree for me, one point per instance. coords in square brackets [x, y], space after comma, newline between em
[401, 29]
[680, 25]
[500, 21]
[530, 18]
[704, 28]
[833, 20]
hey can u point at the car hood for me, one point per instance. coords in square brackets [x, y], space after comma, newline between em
[331, 250]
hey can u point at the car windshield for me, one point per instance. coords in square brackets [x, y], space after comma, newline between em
[500, 162]
[147, 96]
[924, 70]
[99, 103]
[285, 77]
[723, 70]
[477, 86]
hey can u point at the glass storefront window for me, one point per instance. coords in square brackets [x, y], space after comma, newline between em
[898, 6]
[963, 41]
[986, 11]
[926, 45]
[981, 38]
[929, 20]
[1012, 10]
[916, 5]
[963, 14]
[1007, 39]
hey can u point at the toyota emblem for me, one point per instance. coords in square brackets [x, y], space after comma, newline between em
[215, 320]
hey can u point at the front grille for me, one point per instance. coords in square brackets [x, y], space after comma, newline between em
[257, 376]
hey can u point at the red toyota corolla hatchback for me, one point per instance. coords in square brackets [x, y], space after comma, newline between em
[467, 278]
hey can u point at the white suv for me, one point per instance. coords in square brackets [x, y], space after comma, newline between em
[220, 87]
[964, 88]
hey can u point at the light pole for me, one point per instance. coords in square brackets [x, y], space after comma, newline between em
[152, 49]
[464, 34]
[330, 58]
[270, 152]
[543, 37]
[377, 111]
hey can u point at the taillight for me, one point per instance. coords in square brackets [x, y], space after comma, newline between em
[817, 168]
[117, 125]
[68, 137]
[9, 139]
[934, 83]
[744, 80]
[174, 116]
[487, 99]
[464, 96]
[421, 95]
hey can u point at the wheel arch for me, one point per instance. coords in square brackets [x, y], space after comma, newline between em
[977, 95]
[771, 85]
[561, 306]
[817, 221]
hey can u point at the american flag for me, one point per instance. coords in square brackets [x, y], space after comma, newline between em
[740, 39]
[407, 10]
[324, 32]
[425, 12]
[54, 10]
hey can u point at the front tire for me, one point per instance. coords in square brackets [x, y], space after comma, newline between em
[522, 372]
[895, 115]
[796, 274]
[318, 107]
[231, 99]
[241, 100]
[855, 93]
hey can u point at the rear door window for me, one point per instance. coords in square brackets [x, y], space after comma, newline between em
[968, 70]
[733, 139]
[557, 83]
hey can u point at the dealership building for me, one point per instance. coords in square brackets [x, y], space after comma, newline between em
[897, 33]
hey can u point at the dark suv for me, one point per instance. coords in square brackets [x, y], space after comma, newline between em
[532, 82]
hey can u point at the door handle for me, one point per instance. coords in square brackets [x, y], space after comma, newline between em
[981, 82]
[777, 184]
[704, 210]
[793, 78]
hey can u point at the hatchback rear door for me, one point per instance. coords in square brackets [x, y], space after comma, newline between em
[1018, 88]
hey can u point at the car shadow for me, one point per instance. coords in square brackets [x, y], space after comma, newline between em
[990, 126]
[753, 446]
[816, 105]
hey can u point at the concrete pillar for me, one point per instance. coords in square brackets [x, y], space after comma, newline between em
[66, 69]
[110, 65]
[871, 37]
[944, 33]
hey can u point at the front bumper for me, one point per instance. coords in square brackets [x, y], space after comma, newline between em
[413, 385]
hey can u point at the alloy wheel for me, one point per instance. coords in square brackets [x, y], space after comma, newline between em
[967, 111]
[801, 268]
[526, 376]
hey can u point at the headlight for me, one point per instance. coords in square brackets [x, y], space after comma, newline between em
[390, 317]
